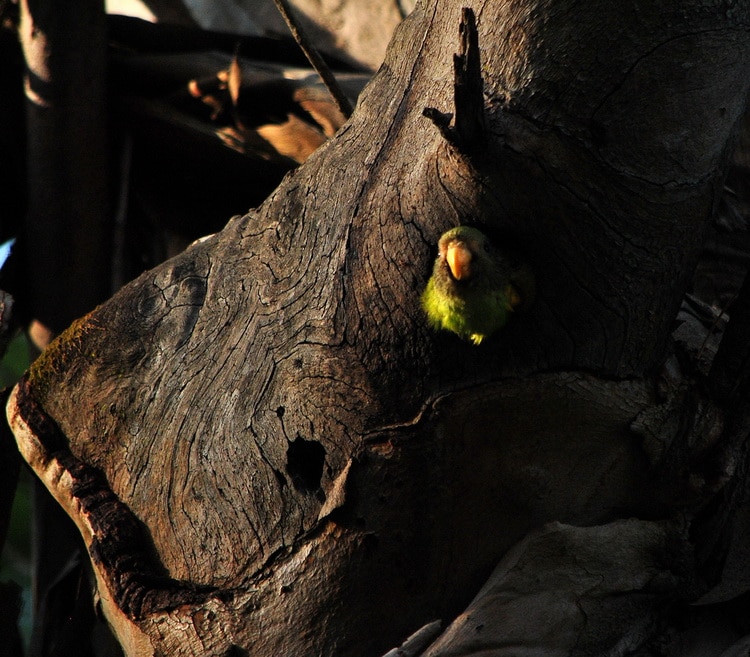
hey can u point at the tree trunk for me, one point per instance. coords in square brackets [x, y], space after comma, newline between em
[65, 240]
[268, 452]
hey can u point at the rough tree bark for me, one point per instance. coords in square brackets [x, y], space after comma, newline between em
[268, 453]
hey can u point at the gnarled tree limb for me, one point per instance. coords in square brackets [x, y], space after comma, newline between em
[272, 406]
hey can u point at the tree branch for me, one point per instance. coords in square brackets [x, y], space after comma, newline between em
[315, 59]
[418, 641]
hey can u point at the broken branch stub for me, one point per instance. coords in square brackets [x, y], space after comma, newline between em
[468, 129]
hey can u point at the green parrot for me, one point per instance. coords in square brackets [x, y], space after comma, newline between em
[474, 288]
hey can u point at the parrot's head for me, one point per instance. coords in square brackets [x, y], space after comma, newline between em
[464, 254]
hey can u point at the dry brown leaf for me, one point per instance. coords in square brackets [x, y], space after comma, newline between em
[293, 138]
[234, 80]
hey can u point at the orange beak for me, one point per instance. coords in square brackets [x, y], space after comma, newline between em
[459, 258]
